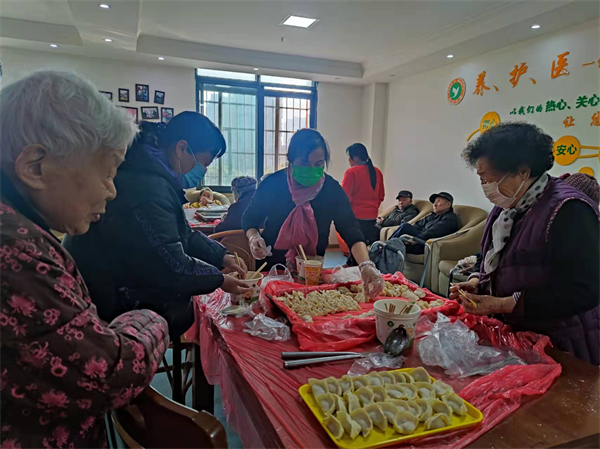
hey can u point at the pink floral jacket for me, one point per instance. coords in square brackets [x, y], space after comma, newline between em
[62, 367]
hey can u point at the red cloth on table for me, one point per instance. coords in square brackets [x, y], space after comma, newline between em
[365, 200]
[261, 400]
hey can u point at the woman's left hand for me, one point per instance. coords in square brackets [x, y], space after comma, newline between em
[485, 304]
[229, 266]
[373, 283]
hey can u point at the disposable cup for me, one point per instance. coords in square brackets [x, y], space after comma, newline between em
[312, 272]
[300, 264]
[253, 294]
[386, 322]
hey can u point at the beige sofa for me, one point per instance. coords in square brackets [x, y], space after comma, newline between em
[192, 195]
[468, 218]
[425, 208]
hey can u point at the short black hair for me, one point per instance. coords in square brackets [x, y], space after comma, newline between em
[197, 130]
[510, 146]
[304, 142]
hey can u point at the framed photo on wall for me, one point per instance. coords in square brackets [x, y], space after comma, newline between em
[123, 95]
[106, 94]
[159, 97]
[142, 93]
[132, 112]
[166, 114]
[150, 113]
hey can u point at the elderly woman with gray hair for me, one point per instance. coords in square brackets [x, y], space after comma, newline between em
[63, 367]
[243, 188]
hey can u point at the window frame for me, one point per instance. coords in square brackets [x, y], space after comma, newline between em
[259, 87]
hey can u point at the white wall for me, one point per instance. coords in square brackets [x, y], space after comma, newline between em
[177, 83]
[425, 134]
[339, 121]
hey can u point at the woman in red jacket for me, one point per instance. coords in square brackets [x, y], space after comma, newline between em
[363, 183]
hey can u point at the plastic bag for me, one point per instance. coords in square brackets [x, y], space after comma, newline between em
[341, 275]
[373, 361]
[273, 275]
[267, 328]
[456, 348]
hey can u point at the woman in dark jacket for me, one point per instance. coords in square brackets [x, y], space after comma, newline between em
[299, 204]
[243, 188]
[540, 245]
[143, 252]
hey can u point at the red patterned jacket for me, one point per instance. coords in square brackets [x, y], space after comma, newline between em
[62, 367]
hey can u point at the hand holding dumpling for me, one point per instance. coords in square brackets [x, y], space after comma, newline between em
[371, 278]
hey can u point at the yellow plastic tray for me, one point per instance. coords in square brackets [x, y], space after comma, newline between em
[378, 438]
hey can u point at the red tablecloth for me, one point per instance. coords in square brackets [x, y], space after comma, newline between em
[261, 401]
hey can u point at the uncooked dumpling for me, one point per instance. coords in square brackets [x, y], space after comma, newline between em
[456, 403]
[394, 391]
[334, 426]
[333, 386]
[352, 401]
[365, 395]
[351, 427]
[375, 379]
[425, 390]
[389, 410]
[420, 375]
[359, 382]
[425, 410]
[440, 407]
[377, 416]
[402, 405]
[379, 393]
[405, 423]
[414, 408]
[437, 421]
[442, 388]
[363, 418]
[317, 387]
[326, 402]
[387, 377]
[346, 384]
[399, 376]
[340, 405]
[409, 391]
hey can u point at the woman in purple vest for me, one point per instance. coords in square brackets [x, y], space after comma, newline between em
[540, 246]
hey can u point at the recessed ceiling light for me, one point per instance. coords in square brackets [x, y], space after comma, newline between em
[256, 68]
[160, 58]
[107, 40]
[535, 27]
[54, 45]
[450, 56]
[301, 22]
[104, 6]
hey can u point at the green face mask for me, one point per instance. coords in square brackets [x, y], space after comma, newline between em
[307, 176]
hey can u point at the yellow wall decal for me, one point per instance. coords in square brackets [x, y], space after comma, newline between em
[587, 170]
[567, 148]
[487, 121]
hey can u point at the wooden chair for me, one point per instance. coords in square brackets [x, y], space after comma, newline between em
[154, 421]
[236, 242]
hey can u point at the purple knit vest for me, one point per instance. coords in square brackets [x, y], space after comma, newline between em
[524, 264]
[524, 259]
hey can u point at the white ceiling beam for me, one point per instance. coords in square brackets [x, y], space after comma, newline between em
[37, 31]
[250, 58]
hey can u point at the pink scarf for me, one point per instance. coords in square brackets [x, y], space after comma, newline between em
[300, 227]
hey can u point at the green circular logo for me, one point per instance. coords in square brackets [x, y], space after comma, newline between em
[456, 91]
[390, 324]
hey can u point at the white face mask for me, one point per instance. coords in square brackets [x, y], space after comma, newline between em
[493, 194]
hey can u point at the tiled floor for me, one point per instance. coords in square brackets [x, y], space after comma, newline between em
[333, 258]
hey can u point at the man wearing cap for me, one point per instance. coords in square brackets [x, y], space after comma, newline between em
[441, 222]
[402, 213]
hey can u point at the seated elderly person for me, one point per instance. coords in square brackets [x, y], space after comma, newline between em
[63, 367]
[402, 213]
[441, 222]
[243, 188]
[541, 243]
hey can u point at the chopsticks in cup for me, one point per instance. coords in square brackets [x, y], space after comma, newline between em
[303, 253]
[257, 272]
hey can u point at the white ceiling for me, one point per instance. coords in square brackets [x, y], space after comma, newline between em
[359, 41]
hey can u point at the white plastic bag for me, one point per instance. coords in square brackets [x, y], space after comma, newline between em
[374, 361]
[274, 276]
[267, 328]
[341, 275]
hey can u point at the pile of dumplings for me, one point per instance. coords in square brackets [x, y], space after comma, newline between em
[318, 303]
[402, 291]
[401, 400]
